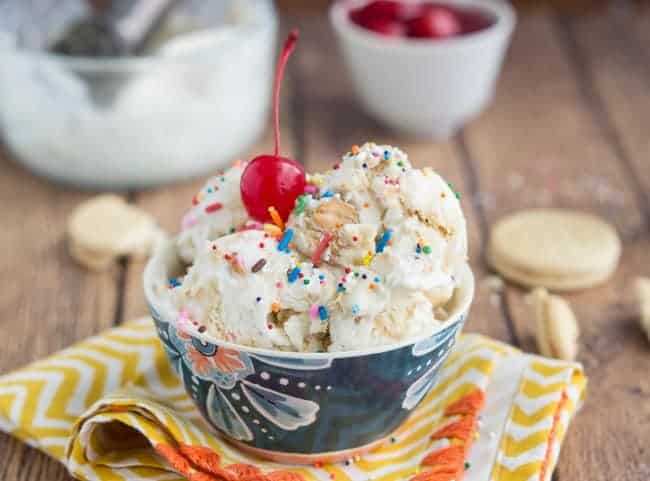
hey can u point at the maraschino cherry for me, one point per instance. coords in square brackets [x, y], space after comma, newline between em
[272, 180]
[437, 21]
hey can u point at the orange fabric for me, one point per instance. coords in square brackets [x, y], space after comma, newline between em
[200, 476]
[201, 457]
[199, 463]
[176, 460]
[472, 403]
[461, 429]
[437, 475]
[551, 436]
[452, 455]
[245, 472]
[284, 476]
[448, 463]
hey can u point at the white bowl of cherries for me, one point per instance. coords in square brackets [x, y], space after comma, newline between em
[420, 67]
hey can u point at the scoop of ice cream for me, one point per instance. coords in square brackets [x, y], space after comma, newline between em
[404, 223]
[244, 289]
[216, 210]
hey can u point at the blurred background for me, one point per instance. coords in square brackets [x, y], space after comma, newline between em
[129, 94]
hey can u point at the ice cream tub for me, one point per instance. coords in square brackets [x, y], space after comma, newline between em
[301, 407]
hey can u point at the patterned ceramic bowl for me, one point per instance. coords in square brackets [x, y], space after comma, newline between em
[301, 407]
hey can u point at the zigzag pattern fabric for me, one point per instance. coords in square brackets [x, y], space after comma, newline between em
[111, 408]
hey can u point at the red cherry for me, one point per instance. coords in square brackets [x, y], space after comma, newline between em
[381, 9]
[384, 11]
[271, 180]
[437, 21]
[390, 28]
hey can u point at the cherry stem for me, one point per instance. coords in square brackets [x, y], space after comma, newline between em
[289, 45]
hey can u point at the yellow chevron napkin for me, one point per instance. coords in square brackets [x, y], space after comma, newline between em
[111, 408]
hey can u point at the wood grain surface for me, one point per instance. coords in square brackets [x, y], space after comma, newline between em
[568, 128]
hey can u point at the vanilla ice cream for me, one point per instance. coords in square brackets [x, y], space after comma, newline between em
[369, 257]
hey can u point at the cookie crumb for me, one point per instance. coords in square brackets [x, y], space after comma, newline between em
[556, 326]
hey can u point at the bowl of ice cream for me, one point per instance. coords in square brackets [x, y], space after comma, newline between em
[423, 67]
[315, 340]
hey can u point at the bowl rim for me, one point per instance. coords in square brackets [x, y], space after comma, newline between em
[264, 20]
[165, 252]
[504, 14]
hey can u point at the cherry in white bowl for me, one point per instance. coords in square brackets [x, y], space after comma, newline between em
[424, 68]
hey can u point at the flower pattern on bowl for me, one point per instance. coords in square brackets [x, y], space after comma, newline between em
[293, 404]
[223, 370]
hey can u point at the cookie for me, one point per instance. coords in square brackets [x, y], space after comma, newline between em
[556, 328]
[106, 227]
[643, 295]
[558, 249]
[94, 261]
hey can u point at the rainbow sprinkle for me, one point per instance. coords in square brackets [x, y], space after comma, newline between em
[327, 237]
[367, 259]
[283, 245]
[213, 207]
[275, 215]
[356, 309]
[273, 230]
[173, 282]
[293, 275]
[322, 313]
[327, 194]
[314, 311]
[301, 204]
[258, 265]
[383, 241]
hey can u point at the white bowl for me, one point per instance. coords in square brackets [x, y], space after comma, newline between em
[425, 87]
[131, 122]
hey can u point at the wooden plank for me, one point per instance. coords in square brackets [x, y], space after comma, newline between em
[541, 144]
[47, 302]
[615, 60]
[333, 122]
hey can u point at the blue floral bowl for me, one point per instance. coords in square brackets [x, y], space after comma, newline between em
[301, 407]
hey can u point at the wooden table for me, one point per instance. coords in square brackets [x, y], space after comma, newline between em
[569, 128]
